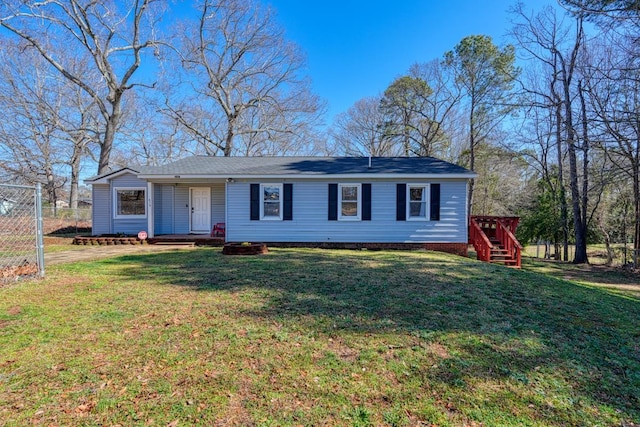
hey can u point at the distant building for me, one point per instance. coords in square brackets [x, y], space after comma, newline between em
[6, 206]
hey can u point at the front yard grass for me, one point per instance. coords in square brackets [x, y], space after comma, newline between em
[315, 337]
[54, 244]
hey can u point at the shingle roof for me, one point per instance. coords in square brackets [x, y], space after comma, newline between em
[111, 172]
[305, 166]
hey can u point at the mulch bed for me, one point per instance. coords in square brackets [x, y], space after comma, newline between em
[244, 249]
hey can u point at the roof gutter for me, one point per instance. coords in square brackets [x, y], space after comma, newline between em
[324, 176]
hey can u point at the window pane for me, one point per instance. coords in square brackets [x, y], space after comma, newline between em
[272, 209]
[416, 194]
[130, 202]
[271, 193]
[350, 193]
[417, 209]
[349, 208]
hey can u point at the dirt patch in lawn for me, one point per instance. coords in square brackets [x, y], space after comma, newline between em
[15, 310]
[603, 275]
[92, 253]
[615, 278]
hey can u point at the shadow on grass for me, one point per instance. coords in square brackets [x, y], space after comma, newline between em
[616, 279]
[502, 323]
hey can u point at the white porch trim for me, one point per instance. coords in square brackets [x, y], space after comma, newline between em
[150, 212]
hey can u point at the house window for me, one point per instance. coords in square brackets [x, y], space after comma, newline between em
[349, 202]
[417, 196]
[129, 203]
[271, 206]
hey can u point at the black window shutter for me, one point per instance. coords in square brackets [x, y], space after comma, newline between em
[435, 202]
[401, 202]
[366, 202]
[255, 202]
[287, 211]
[333, 202]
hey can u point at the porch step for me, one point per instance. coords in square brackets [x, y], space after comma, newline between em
[483, 232]
[503, 261]
[174, 243]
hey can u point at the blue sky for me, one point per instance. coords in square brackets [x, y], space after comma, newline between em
[355, 48]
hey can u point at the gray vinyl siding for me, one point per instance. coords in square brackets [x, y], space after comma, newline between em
[181, 218]
[217, 203]
[101, 210]
[167, 225]
[163, 209]
[310, 223]
[157, 209]
[126, 225]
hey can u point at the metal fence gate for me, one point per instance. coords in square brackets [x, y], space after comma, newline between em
[21, 243]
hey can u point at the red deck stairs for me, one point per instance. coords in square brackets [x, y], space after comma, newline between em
[494, 240]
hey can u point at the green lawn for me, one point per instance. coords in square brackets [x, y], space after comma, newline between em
[60, 244]
[315, 337]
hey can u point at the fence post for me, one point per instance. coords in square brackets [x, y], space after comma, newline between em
[39, 231]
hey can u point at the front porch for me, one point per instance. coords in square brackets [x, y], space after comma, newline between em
[194, 239]
[185, 211]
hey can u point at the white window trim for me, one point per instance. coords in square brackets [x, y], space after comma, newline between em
[115, 202]
[427, 205]
[281, 192]
[359, 202]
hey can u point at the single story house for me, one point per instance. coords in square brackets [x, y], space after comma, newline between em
[323, 201]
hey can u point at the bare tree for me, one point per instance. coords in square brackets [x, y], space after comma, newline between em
[148, 136]
[557, 48]
[439, 109]
[568, 63]
[78, 125]
[243, 78]
[614, 91]
[358, 131]
[111, 35]
[413, 117]
[51, 102]
[29, 144]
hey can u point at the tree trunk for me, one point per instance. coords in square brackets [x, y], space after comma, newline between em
[112, 123]
[562, 194]
[607, 242]
[78, 148]
[579, 227]
[228, 145]
[636, 206]
[580, 256]
[472, 156]
[585, 168]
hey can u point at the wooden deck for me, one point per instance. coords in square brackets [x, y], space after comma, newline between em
[494, 239]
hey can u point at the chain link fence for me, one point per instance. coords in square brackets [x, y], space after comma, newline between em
[21, 242]
[66, 221]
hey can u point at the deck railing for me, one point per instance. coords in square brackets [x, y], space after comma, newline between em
[508, 240]
[494, 240]
[480, 241]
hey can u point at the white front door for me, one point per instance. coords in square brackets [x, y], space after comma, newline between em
[200, 210]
